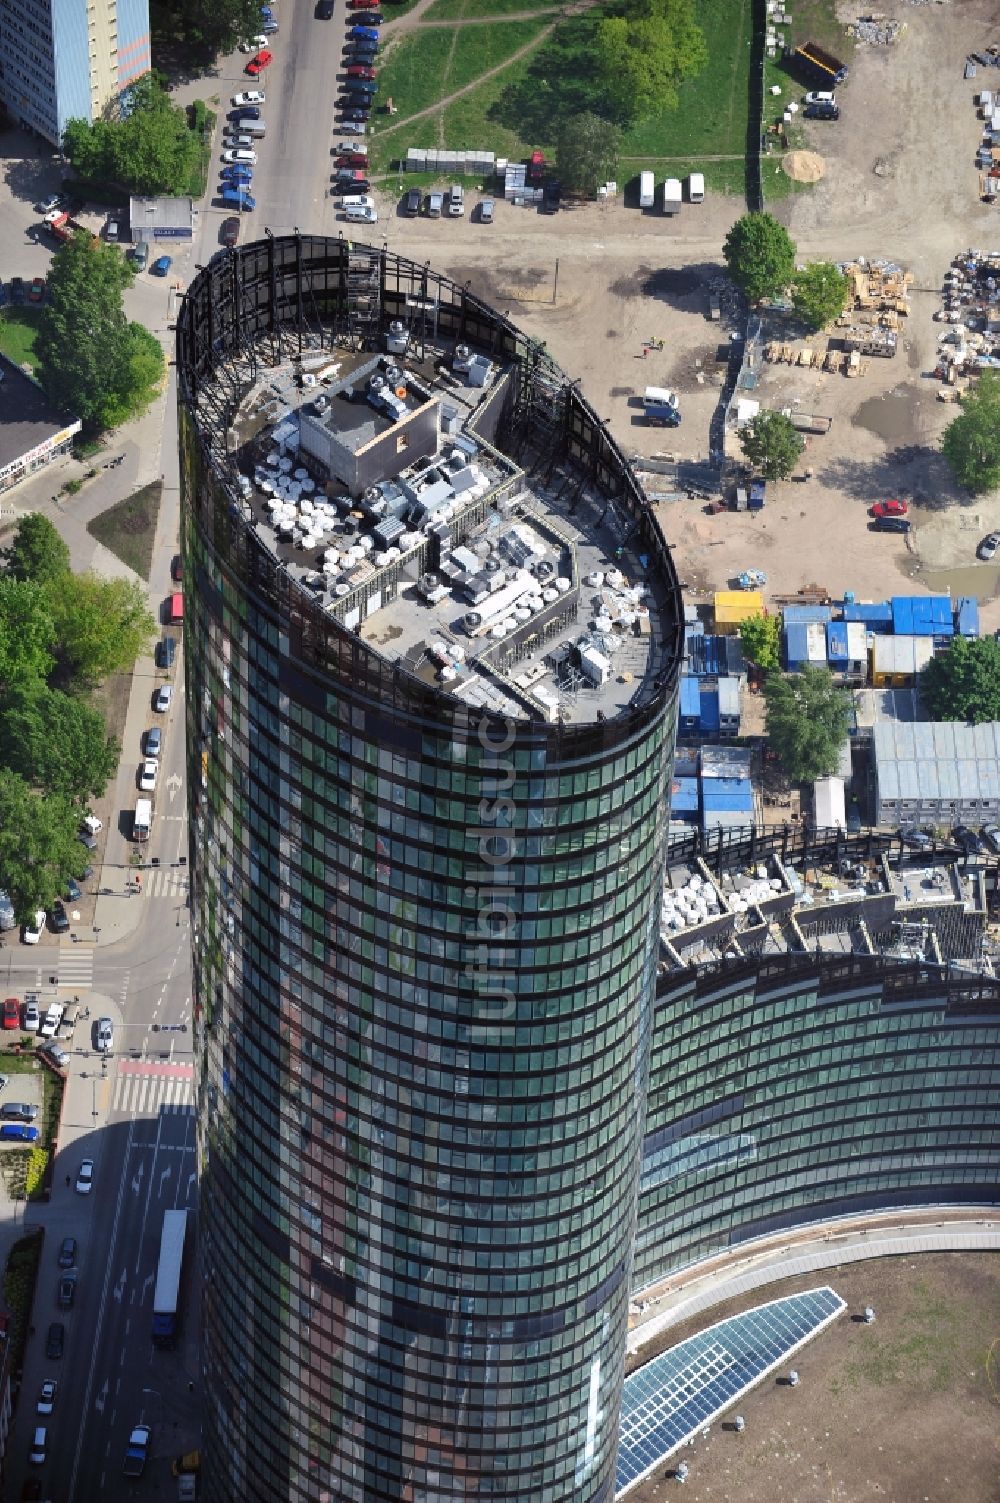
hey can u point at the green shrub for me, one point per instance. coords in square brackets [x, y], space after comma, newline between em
[35, 1176]
[72, 486]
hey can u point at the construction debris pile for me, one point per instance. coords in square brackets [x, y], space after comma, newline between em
[972, 307]
[876, 30]
[988, 155]
[879, 300]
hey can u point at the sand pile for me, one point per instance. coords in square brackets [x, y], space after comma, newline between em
[803, 166]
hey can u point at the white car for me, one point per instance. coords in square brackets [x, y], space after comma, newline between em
[147, 775]
[92, 824]
[53, 1018]
[821, 96]
[105, 1036]
[254, 44]
[237, 142]
[32, 933]
[244, 157]
[163, 698]
[47, 1396]
[249, 96]
[32, 1019]
[357, 201]
[85, 1178]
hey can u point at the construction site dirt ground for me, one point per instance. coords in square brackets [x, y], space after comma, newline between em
[905, 1410]
[594, 281]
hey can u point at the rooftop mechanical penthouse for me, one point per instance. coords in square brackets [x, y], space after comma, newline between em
[434, 646]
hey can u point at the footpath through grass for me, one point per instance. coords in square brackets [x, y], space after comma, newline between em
[18, 331]
[128, 529]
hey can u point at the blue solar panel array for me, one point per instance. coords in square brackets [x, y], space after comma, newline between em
[677, 1393]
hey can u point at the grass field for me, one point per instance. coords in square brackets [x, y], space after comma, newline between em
[18, 328]
[128, 529]
[462, 10]
[711, 118]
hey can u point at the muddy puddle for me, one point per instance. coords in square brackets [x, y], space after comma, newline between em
[981, 581]
[895, 418]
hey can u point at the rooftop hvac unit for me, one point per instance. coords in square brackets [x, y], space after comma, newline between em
[793, 1379]
[375, 383]
[427, 582]
[462, 352]
[394, 375]
[321, 404]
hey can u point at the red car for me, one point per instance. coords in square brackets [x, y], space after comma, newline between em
[890, 509]
[12, 1013]
[259, 63]
[360, 70]
[36, 291]
[352, 159]
[362, 4]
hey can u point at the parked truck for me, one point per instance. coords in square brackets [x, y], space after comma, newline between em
[64, 228]
[816, 65]
[660, 406]
[869, 339]
[142, 819]
[672, 196]
[137, 1451]
[646, 190]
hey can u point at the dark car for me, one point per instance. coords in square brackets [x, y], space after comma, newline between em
[18, 1111]
[411, 203]
[324, 10]
[73, 893]
[55, 1341]
[67, 1291]
[822, 111]
[245, 112]
[58, 919]
[967, 840]
[551, 198]
[177, 563]
[890, 524]
[352, 114]
[17, 292]
[165, 651]
[67, 1252]
[229, 231]
[90, 841]
[917, 840]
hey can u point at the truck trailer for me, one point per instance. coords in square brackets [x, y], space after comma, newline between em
[816, 65]
[647, 190]
[672, 195]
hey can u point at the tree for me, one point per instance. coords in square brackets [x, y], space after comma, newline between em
[760, 255]
[643, 54]
[206, 30]
[971, 442]
[149, 149]
[807, 718]
[94, 363]
[819, 293]
[964, 682]
[586, 152]
[760, 637]
[27, 632]
[37, 553]
[56, 743]
[102, 625]
[38, 844]
[771, 444]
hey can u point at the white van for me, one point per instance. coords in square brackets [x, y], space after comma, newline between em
[456, 200]
[361, 214]
[647, 190]
[696, 188]
[254, 128]
[672, 195]
[142, 819]
[36, 1455]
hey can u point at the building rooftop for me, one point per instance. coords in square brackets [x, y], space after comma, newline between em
[937, 760]
[27, 419]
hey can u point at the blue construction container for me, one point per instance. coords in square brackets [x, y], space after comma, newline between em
[733, 794]
[836, 645]
[922, 616]
[710, 711]
[877, 616]
[690, 711]
[797, 644]
[967, 616]
[802, 615]
[684, 798]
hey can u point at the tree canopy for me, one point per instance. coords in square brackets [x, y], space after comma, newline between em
[38, 844]
[27, 632]
[207, 31]
[37, 553]
[819, 293]
[971, 441]
[807, 720]
[150, 148]
[771, 444]
[586, 152]
[94, 363]
[964, 682]
[760, 638]
[57, 743]
[643, 54]
[760, 255]
[102, 625]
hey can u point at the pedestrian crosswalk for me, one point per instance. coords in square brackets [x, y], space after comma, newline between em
[76, 965]
[147, 1095]
[164, 882]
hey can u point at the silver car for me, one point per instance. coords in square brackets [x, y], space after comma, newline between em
[105, 1035]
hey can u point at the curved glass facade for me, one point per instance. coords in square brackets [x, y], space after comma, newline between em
[425, 941]
[784, 1092]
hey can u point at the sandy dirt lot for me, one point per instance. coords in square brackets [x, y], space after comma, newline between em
[900, 184]
[905, 1410]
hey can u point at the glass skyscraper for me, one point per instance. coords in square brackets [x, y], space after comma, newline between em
[425, 925]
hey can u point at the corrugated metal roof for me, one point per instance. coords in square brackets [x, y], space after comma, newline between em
[796, 643]
[967, 616]
[727, 793]
[684, 796]
[875, 614]
[725, 761]
[836, 642]
[922, 615]
[710, 709]
[802, 614]
[941, 759]
[729, 696]
[901, 655]
[690, 696]
[857, 641]
[733, 606]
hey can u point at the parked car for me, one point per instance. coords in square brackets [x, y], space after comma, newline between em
[363, 31]
[48, 204]
[917, 840]
[245, 112]
[32, 932]
[104, 1036]
[38, 1450]
[237, 175]
[73, 893]
[968, 841]
[351, 127]
[163, 697]
[486, 211]
[229, 232]
[17, 289]
[85, 1177]
[360, 70]
[551, 198]
[17, 1132]
[67, 1291]
[177, 562]
[32, 1018]
[249, 96]
[165, 650]
[242, 156]
[18, 1111]
[259, 63]
[893, 508]
[411, 202]
[988, 546]
[351, 114]
[12, 1013]
[90, 841]
[139, 255]
[990, 836]
[58, 918]
[55, 1341]
[36, 292]
[147, 774]
[161, 266]
[56, 1055]
[154, 739]
[253, 44]
[47, 1396]
[890, 524]
[67, 1252]
[354, 160]
[324, 10]
[822, 112]
[821, 96]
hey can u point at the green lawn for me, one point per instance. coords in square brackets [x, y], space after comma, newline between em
[128, 529]
[458, 10]
[18, 328]
[711, 118]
